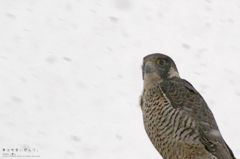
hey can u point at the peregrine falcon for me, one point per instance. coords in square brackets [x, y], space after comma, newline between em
[176, 118]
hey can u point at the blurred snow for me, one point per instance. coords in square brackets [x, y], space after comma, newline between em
[71, 71]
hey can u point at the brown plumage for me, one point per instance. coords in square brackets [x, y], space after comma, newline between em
[176, 118]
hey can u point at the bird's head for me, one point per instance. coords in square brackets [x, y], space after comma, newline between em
[158, 67]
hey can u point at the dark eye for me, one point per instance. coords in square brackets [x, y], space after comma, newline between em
[162, 62]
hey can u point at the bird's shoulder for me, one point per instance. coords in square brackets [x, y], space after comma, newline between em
[181, 93]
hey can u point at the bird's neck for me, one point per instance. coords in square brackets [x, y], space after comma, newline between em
[151, 79]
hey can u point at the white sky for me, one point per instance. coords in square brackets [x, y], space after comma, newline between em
[71, 71]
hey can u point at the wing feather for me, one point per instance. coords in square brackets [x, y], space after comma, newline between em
[181, 94]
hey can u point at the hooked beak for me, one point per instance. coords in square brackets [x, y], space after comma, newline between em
[149, 67]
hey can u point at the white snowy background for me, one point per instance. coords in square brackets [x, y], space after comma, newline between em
[70, 76]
